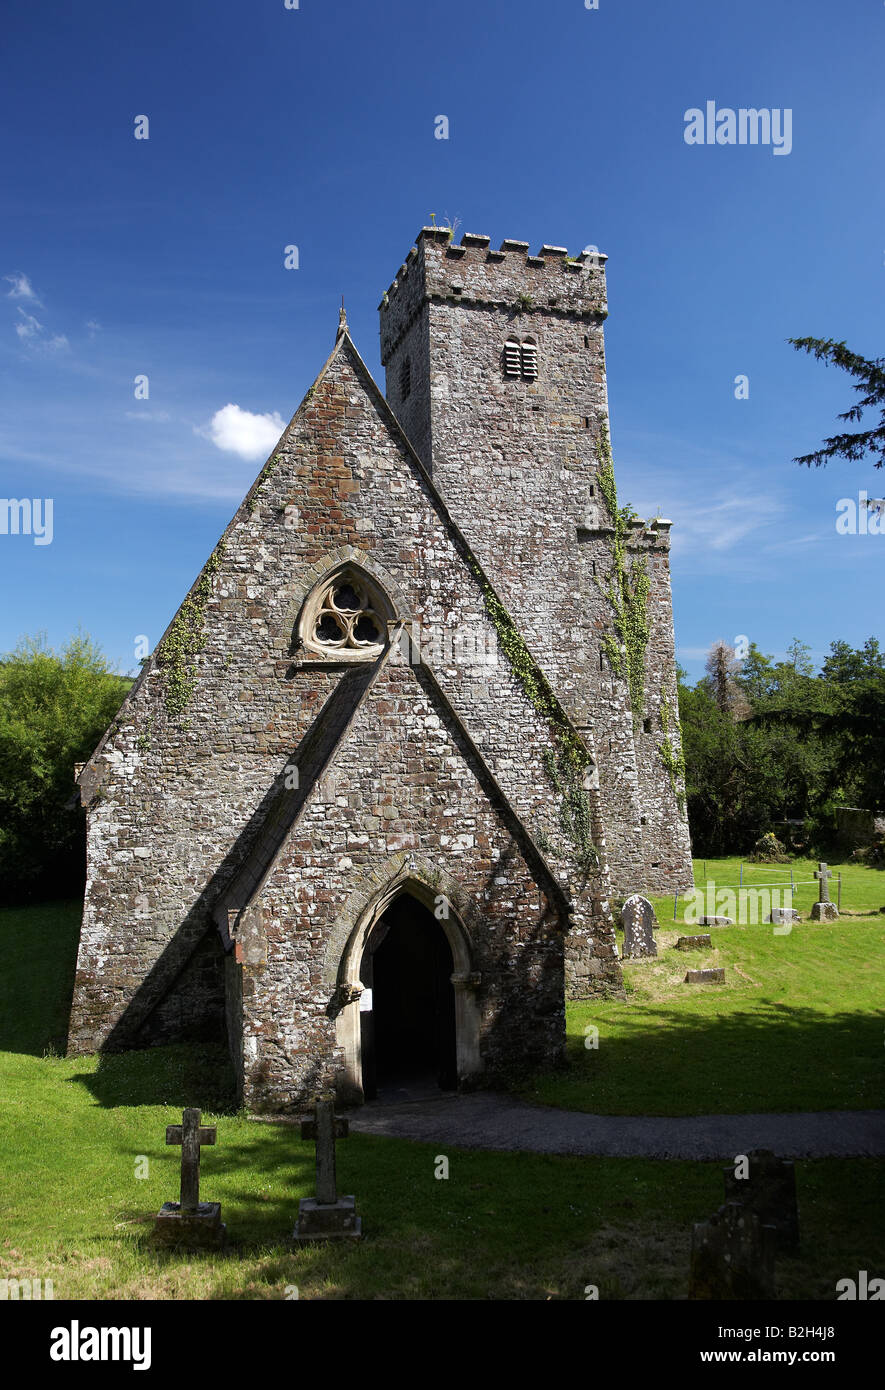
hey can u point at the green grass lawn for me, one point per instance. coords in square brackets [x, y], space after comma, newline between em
[798, 1025]
[74, 1134]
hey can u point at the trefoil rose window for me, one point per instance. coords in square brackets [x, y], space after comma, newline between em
[346, 618]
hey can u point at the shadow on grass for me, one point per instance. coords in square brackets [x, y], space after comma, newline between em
[183, 1074]
[664, 1060]
[37, 980]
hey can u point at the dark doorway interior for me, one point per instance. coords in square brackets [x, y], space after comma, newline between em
[408, 1036]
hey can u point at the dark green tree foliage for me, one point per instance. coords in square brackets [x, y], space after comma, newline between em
[852, 444]
[54, 708]
[803, 745]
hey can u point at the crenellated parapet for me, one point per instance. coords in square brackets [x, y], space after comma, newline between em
[471, 273]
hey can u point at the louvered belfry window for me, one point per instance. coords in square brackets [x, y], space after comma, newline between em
[529, 361]
[405, 379]
[512, 355]
[521, 359]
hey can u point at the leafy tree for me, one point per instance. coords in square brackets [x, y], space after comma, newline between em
[54, 708]
[757, 676]
[845, 709]
[844, 664]
[851, 445]
[799, 654]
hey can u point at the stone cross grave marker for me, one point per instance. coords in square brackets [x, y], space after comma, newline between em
[190, 1221]
[638, 918]
[823, 910]
[326, 1216]
[191, 1135]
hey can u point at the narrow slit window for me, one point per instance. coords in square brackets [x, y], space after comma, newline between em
[405, 379]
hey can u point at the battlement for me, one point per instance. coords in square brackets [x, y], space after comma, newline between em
[649, 535]
[470, 272]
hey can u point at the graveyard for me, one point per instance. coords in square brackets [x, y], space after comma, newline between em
[89, 1164]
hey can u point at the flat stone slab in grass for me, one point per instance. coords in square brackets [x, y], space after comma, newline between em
[824, 912]
[715, 921]
[694, 943]
[714, 976]
[780, 916]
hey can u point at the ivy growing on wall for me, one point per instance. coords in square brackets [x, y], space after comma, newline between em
[674, 762]
[574, 811]
[564, 766]
[628, 590]
[176, 654]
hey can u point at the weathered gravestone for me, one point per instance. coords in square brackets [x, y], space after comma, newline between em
[694, 943]
[715, 921]
[714, 976]
[823, 910]
[765, 1184]
[638, 918]
[732, 1256]
[326, 1216]
[190, 1221]
[783, 916]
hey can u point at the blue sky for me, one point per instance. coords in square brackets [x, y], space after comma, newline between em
[315, 127]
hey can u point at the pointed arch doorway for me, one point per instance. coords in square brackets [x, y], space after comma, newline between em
[407, 1009]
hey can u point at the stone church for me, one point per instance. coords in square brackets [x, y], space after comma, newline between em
[413, 729]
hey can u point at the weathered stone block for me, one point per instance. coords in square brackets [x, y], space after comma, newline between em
[638, 917]
[769, 1190]
[327, 1220]
[694, 943]
[732, 1256]
[197, 1230]
[824, 912]
[714, 976]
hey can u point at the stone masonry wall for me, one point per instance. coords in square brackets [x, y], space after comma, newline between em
[177, 798]
[517, 462]
[401, 781]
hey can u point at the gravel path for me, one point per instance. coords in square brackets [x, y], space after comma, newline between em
[487, 1120]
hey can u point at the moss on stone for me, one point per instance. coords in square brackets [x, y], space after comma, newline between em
[176, 654]
[564, 766]
[628, 590]
[673, 760]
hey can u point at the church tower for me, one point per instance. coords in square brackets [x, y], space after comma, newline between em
[495, 367]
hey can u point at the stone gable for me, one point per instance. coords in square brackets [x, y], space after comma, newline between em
[181, 788]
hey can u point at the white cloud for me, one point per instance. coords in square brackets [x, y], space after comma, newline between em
[21, 288]
[33, 334]
[240, 432]
[29, 327]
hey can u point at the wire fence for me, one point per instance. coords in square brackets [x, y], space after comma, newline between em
[792, 884]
